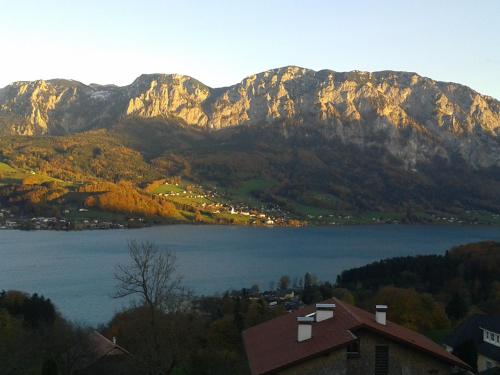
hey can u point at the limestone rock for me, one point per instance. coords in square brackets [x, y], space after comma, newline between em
[413, 117]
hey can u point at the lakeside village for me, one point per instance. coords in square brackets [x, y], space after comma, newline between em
[79, 219]
[209, 201]
[219, 208]
[10, 221]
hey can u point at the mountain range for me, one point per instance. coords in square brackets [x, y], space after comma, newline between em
[335, 140]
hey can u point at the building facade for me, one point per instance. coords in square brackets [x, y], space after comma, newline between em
[346, 340]
[481, 333]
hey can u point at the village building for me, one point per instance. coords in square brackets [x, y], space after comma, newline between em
[480, 333]
[337, 338]
[110, 358]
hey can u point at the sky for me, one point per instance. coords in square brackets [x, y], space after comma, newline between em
[220, 42]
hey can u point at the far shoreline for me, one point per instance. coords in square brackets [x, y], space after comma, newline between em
[303, 226]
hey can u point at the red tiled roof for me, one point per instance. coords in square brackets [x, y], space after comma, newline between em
[273, 345]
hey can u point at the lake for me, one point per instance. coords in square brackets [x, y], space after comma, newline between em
[75, 269]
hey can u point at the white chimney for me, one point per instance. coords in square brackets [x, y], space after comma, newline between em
[381, 314]
[324, 311]
[304, 331]
[114, 340]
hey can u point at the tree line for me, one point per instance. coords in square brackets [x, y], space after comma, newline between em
[464, 278]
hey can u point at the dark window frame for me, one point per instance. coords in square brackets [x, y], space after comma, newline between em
[353, 349]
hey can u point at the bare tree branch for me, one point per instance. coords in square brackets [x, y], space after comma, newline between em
[152, 277]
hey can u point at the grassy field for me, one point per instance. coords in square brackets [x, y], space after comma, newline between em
[9, 175]
[243, 193]
[168, 188]
[236, 219]
[250, 186]
[5, 168]
[306, 210]
[188, 199]
[13, 176]
[195, 198]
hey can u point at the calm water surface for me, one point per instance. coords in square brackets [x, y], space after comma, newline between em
[75, 269]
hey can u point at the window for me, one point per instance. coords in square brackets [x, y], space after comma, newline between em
[353, 349]
[491, 337]
[381, 360]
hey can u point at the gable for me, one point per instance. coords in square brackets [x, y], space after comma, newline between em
[273, 345]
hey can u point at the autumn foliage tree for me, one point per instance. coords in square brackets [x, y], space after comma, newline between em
[414, 310]
[125, 198]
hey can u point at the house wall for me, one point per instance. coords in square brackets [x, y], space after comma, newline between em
[482, 362]
[402, 361]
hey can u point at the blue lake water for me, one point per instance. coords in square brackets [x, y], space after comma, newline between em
[75, 269]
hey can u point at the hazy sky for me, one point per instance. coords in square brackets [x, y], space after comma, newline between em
[221, 42]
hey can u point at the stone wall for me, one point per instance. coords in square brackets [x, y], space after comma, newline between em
[402, 360]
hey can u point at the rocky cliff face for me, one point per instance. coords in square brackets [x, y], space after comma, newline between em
[57, 107]
[413, 117]
[174, 95]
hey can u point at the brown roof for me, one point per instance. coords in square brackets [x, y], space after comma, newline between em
[273, 345]
[105, 347]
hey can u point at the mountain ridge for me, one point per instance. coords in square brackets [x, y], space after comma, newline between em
[414, 117]
[153, 76]
[95, 84]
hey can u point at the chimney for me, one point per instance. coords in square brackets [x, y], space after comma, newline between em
[304, 331]
[114, 340]
[381, 314]
[324, 311]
